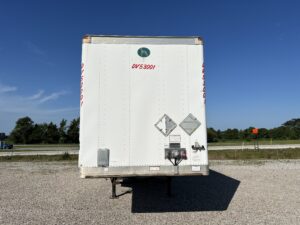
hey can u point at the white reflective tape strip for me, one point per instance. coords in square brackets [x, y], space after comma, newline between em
[154, 168]
[195, 168]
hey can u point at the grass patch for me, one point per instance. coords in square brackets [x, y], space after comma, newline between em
[251, 142]
[32, 150]
[25, 158]
[16, 146]
[292, 153]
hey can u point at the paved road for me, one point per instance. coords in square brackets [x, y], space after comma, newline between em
[282, 146]
[40, 150]
[234, 193]
[37, 152]
[46, 148]
[74, 150]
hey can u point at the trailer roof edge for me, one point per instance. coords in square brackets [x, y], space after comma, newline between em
[119, 39]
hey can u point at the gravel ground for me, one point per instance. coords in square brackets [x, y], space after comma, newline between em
[260, 192]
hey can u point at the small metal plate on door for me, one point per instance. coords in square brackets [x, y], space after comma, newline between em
[190, 124]
[165, 125]
[103, 157]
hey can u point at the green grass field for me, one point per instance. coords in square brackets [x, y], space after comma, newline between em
[32, 158]
[44, 145]
[213, 155]
[261, 142]
[255, 154]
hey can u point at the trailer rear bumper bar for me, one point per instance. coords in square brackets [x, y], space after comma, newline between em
[135, 171]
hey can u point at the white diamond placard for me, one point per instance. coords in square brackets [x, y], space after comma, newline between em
[190, 124]
[165, 125]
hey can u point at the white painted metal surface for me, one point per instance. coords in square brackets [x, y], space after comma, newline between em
[123, 95]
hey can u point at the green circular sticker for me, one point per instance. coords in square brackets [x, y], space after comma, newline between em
[143, 52]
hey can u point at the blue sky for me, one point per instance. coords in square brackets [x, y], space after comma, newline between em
[251, 54]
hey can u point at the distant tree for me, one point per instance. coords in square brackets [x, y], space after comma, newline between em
[293, 126]
[73, 131]
[247, 134]
[37, 134]
[22, 131]
[62, 131]
[293, 134]
[52, 134]
[231, 134]
[292, 123]
[44, 128]
[212, 135]
[281, 132]
[219, 134]
[263, 133]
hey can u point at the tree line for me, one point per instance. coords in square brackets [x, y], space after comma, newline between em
[28, 132]
[289, 130]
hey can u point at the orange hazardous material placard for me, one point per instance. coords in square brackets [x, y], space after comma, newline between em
[254, 131]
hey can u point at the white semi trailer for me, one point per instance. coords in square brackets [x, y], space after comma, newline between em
[142, 107]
